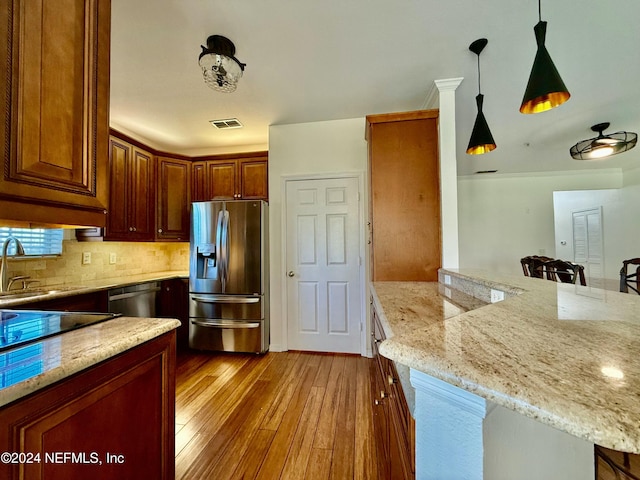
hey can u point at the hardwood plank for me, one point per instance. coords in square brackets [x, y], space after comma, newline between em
[328, 414]
[342, 466]
[300, 449]
[253, 457]
[284, 396]
[365, 458]
[319, 465]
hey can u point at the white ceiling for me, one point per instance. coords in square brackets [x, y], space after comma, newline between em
[311, 61]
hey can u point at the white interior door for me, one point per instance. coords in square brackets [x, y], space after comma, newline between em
[324, 309]
[587, 245]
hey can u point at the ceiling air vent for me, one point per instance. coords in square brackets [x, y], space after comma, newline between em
[226, 123]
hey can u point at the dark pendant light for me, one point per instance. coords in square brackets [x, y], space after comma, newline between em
[545, 89]
[603, 146]
[481, 140]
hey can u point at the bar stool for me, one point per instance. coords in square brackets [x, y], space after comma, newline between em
[564, 272]
[631, 280]
[532, 265]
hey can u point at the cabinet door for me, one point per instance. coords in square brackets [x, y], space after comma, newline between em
[405, 196]
[142, 196]
[222, 180]
[253, 180]
[54, 117]
[118, 217]
[131, 192]
[199, 184]
[174, 194]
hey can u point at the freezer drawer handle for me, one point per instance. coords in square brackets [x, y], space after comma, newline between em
[226, 325]
[225, 299]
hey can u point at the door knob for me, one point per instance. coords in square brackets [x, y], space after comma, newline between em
[291, 274]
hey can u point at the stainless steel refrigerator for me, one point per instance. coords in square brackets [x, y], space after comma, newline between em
[228, 276]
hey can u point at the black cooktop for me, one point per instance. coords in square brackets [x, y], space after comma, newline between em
[20, 327]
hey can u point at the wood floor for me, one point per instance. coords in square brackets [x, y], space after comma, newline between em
[290, 415]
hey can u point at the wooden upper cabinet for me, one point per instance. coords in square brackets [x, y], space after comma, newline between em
[132, 193]
[404, 196]
[54, 121]
[173, 199]
[230, 177]
[254, 183]
[199, 181]
[222, 180]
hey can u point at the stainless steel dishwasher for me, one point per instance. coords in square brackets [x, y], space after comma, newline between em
[134, 300]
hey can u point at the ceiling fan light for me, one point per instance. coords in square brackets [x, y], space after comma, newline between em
[545, 89]
[220, 69]
[603, 146]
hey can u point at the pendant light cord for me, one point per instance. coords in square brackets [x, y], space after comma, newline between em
[479, 92]
[539, 11]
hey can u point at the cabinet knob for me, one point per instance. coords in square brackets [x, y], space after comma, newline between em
[383, 394]
[391, 380]
[135, 229]
[159, 230]
[290, 274]
[377, 402]
[131, 229]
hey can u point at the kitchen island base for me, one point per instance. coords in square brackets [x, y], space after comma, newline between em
[460, 435]
[112, 420]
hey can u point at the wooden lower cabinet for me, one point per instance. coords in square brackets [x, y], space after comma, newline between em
[173, 302]
[114, 420]
[393, 424]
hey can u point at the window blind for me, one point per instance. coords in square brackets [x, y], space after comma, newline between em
[36, 241]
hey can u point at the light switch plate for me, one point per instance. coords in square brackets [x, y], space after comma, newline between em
[112, 258]
[86, 258]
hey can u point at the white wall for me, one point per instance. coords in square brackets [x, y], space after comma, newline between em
[330, 147]
[503, 218]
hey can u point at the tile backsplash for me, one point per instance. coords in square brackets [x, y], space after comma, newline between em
[131, 258]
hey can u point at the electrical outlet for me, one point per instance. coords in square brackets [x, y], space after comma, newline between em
[112, 258]
[447, 279]
[86, 258]
[496, 295]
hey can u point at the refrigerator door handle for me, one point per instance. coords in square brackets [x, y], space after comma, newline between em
[224, 299]
[217, 324]
[225, 246]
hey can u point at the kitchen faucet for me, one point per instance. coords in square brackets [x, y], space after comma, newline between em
[4, 282]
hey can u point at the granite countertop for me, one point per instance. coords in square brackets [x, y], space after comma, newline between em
[51, 292]
[58, 357]
[565, 355]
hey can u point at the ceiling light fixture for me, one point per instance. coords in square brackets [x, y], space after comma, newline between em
[603, 145]
[221, 70]
[545, 89]
[481, 140]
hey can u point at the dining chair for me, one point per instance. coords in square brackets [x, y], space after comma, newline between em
[630, 280]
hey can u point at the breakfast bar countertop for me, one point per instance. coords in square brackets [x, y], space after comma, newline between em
[565, 355]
